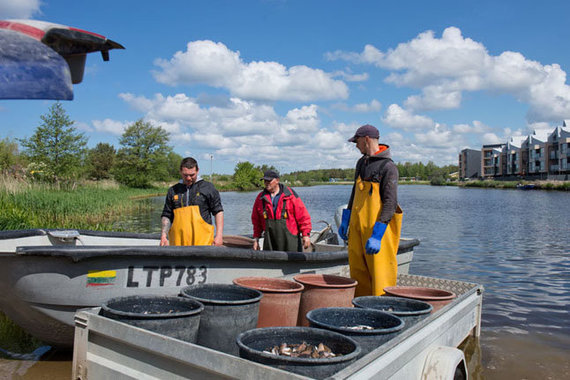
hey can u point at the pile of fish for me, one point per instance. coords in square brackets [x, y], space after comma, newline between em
[303, 350]
[359, 327]
[159, 312]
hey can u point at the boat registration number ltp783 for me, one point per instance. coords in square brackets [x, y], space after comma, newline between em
[151, 276]
[165, 276]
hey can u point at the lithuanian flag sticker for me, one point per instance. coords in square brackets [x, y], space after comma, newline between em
[101, 277]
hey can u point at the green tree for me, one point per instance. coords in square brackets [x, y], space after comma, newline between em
[173, 166]
[100, 161]
[246, 176]
[143, 156]
[56, 145]
[263, 168]
[9, 156]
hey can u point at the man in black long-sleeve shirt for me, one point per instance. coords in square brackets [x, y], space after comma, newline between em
[186, 217]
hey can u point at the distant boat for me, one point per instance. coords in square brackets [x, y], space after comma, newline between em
[527, 186]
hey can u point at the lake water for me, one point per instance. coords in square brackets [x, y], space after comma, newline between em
[516, 243]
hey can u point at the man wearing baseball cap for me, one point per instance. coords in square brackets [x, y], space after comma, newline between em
[373, 219]
[281, 216]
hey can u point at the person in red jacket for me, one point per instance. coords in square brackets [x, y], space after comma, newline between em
[281, 215]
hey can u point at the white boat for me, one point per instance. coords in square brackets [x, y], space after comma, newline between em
[47, 275]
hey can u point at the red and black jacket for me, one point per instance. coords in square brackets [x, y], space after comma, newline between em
[297, 217]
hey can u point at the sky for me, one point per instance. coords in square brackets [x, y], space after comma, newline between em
[286, 83]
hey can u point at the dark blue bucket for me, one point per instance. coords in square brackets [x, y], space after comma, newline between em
[344, 320]
[228, 311]
[172, 316]
[411, 311]
[253, 343]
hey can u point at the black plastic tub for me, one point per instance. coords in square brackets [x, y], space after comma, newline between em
[411, 311]
[228, 311]
[172, 316]
[346, 320]
[253, 343]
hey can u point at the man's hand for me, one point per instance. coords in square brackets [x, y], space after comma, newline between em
[306, 242]
[373, 244]
[218, 240]
[256, 245]
[166, 223]
[343, 229]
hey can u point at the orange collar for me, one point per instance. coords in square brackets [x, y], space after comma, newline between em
[381, 148]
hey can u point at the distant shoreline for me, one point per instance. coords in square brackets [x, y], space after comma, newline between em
[487, 184]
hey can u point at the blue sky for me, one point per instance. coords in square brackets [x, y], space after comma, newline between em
[286, 83]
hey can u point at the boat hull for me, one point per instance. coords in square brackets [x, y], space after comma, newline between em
[42, 286]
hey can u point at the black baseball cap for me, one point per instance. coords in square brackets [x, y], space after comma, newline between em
[270, 175]
[365, 130]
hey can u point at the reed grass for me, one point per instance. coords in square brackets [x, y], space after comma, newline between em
[91, 206]
[15, 339]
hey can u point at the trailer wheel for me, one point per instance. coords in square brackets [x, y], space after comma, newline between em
[445, 363]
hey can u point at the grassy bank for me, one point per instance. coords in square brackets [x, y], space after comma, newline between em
[85, 206]
[539, 185]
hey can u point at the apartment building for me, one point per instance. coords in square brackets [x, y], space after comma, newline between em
[536, 147]
[542, 154]
[469, 163]
[512, 155]
[492, 160]
[558, 149]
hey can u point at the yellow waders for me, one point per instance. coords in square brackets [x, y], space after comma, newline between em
[373, 272]
[189, 228]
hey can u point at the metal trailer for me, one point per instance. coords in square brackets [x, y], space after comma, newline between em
[107, 349]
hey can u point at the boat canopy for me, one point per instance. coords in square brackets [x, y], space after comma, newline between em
[42, 60]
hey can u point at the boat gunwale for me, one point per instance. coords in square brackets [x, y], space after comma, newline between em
[82, 252]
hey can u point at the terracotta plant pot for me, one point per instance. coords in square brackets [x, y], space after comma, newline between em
[324, 290]
[436, 297]
[280, 303]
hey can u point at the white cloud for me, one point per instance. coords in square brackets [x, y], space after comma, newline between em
[249, 131]
[82, 126]
[373, 106]
[443, 68]
[491, 138]
[111, 126]
[304, 119]
[397, 117]
[412, 152]
[538, 126]
[19, 8]
[213, 64]
[433, 98]
[439, 137]
[476, 127]
[350, 77]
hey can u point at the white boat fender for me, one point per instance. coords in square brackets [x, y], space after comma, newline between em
[445, 363]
